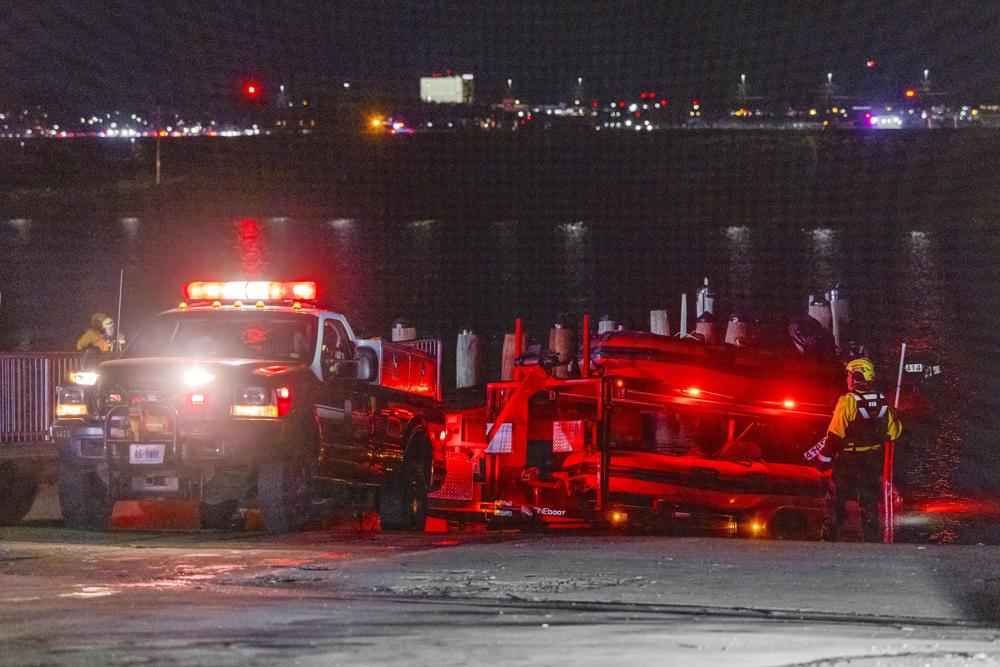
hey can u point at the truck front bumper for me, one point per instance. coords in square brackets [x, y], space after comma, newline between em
[204, 455]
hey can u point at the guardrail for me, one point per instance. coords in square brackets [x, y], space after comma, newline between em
[28, 383]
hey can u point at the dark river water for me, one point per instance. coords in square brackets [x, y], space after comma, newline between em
[455, 231]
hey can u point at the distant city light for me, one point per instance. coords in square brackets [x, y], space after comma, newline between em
[910, 92]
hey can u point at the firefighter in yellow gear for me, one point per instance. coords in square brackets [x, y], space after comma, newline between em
[854, 445]
[100, 335]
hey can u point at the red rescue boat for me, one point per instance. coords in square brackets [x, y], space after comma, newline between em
[661, 433]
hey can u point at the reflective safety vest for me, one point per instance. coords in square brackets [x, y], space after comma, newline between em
[871, 427]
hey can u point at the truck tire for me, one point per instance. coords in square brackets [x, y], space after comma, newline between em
[403, 497]
[83, 497]
[284, 495]
[18, 488]
[217, 516]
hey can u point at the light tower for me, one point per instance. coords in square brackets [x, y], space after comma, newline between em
[828, 90]
[579, 91]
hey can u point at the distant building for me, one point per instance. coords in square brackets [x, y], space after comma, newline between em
[447, 89]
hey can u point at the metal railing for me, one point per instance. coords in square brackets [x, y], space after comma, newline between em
[28, 383]
[431, 346]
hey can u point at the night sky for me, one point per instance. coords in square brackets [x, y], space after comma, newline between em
[93, 54]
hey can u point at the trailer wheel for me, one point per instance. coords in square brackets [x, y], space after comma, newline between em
[403, 497]
[788, 524]
[285, 494]
[18, 488]
[83, 497]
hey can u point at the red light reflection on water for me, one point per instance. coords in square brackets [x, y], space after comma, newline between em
[281, 562]
[967, 507]
[251, 244]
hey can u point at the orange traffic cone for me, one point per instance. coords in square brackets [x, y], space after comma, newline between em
[155, 515]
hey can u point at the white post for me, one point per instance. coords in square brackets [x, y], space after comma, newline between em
[835, 318]
[899, 377]
[659, 322]
[684, 316]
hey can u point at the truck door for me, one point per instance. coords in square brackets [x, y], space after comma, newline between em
[343, 409]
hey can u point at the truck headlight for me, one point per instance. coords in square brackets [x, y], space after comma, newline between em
[84, 378]
[197, 377]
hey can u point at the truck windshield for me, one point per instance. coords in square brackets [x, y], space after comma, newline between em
[254, 335]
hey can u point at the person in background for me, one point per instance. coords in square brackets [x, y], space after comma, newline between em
[854, 446]
[100, 334]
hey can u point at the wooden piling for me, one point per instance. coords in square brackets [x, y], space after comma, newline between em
[561, 342]
[840, 314]
[402, 331]
[511, 351]
[659, 322]
[737, 330]
[819, 309]
[705, 327]
[468, 358]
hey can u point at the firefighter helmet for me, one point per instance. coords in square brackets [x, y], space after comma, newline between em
[862, 369]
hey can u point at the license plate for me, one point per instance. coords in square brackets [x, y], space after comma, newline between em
[141, 454]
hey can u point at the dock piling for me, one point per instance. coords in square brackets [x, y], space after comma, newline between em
[737, 330]
[402, 331]
[819, 309]
[561, 342]
[659, 322]
[468, 357]
[705, 327]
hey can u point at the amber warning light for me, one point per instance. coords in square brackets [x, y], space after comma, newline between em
[243, 290]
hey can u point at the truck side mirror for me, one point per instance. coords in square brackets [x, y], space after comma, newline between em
[367, 364]
[363, 367]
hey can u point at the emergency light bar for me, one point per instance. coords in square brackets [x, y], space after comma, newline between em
[242, 290]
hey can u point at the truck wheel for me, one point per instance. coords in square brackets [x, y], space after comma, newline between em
[284, 494]
[83, 498]
[403, 497]
[217, 516]
[18, 488]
